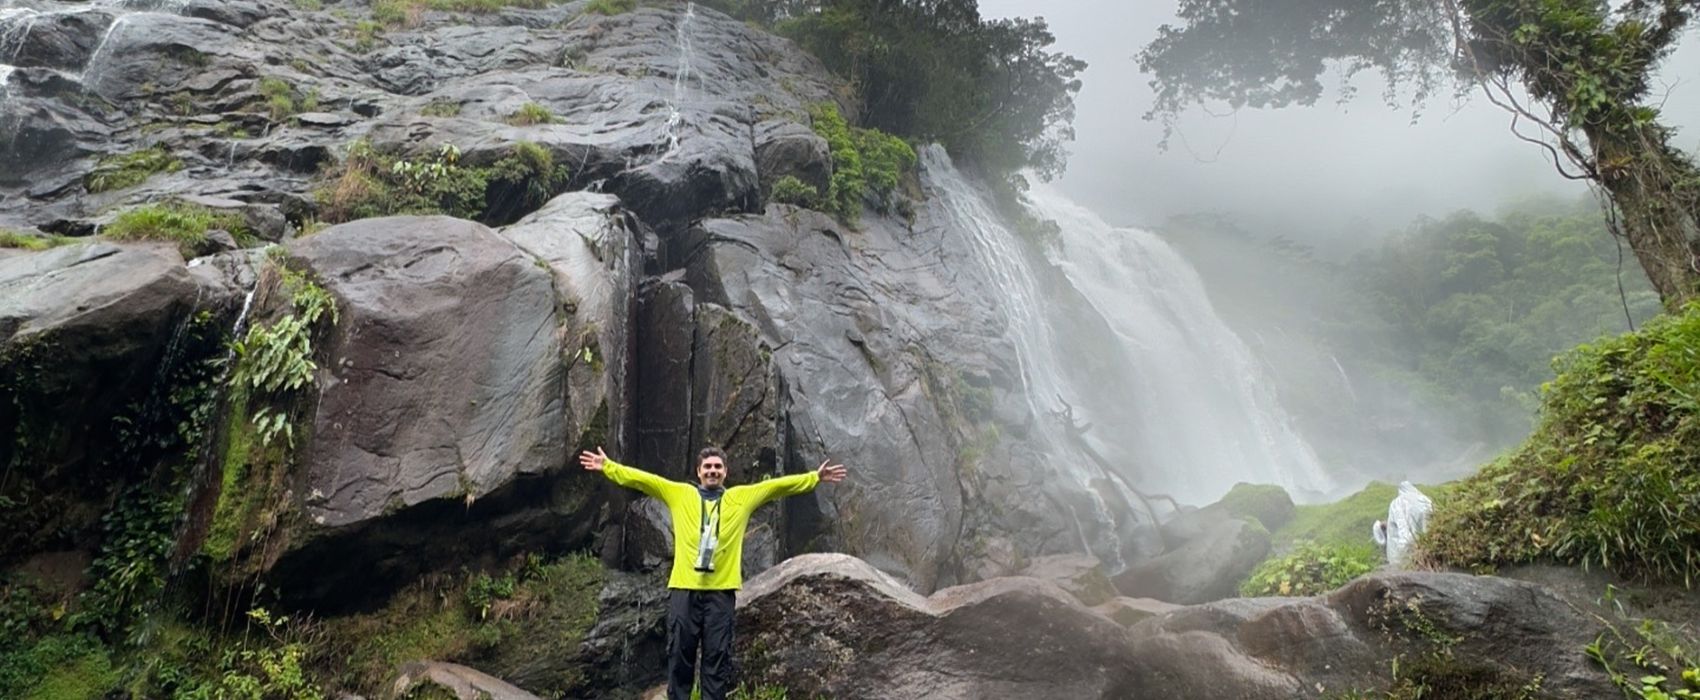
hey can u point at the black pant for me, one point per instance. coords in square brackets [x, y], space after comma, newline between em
[700, 618]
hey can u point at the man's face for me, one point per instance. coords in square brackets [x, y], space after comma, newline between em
[711, 472]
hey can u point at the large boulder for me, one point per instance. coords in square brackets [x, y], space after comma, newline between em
[1209, 567]
[440, 428]
[459, 681]
[831, 625]
[1452, 633]
[1080, 574]
[91, 337]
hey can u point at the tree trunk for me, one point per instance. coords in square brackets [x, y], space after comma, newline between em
[1656, 191]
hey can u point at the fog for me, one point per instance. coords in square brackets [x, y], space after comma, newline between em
[1327, 173]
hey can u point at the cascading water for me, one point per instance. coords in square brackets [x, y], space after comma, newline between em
[996, 248]
[1206, 416]
[681, 79]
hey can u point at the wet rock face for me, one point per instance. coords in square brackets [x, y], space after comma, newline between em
[657, 105]
[1207, 567]
[829, 624]
[88, 333]
[1446, 629]
[444, 373]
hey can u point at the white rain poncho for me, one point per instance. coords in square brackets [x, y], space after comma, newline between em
[1407, 517]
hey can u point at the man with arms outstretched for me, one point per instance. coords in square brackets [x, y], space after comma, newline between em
[708, 545]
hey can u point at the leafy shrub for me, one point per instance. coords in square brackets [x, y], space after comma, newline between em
[367, 183]
[130, 169]
[1611, 478]
[790, 190]
[1310, 569]
[864, 161]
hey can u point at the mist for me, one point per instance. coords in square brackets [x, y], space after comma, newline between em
[1327, 175]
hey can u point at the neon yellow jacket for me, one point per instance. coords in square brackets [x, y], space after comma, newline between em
[686, 506]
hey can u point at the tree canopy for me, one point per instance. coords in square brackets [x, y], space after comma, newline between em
[992, 91]
[1587, 64]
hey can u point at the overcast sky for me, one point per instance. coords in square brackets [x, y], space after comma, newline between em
[1309, 171]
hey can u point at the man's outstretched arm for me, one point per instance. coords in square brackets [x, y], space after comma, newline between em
[796, 484]
[629, 477]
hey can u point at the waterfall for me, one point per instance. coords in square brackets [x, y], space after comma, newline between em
[1205, 415]
[681, 79]
[997, 250]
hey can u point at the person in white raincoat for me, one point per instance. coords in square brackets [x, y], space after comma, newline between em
[1407, 517]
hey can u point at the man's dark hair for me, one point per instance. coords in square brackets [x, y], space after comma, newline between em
[711, 452]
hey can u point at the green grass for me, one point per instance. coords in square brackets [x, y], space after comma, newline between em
[441, 107]
[531, 113]
[60, 666]
[179, 222]
[1344, 523]
[25, 241]
[1609, 479]
[1310, 569]
[609, 7]
[117, 172]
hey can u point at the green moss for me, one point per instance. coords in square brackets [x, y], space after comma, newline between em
[117, 172]
[1266, 503]
[547, 608]
[1610, 478]
[366, 34]
[61, 666]
[283, 100]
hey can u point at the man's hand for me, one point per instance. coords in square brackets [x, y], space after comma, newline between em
[831, 473]
[593, 461]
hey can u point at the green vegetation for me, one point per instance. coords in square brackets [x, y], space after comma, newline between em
[411, 13]
[1268, 504]
[1310, 569]
[284, 101]
[116, 172]
[26, 241]
[1344, 523]
[1481, 307]
[492, 622]
[989, 90]
[368, 183]
[180, 222]
[274, 361]
[1582, 71]
[1610, 478]
[609, 7]
[790, 190]
[441, 107]
[531, 113]
[864, 162]
[366, 33]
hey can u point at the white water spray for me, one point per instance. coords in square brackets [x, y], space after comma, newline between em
[681, 79]
[1207, 416]
[997, 250]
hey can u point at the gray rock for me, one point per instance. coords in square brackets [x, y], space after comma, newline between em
[1080, 574]
[1208, 567]
[1444, 629]
[830, 624]
[465, 683]
[441, 412]
[787, 148]
[1129, 611]
[444, 377]
[87, 332]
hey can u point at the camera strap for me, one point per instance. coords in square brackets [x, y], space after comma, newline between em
[714, 513]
